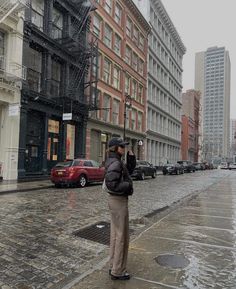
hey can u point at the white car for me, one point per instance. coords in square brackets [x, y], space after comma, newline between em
[224, 166]
[232, 166]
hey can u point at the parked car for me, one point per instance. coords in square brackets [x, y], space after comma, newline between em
[188, 166]
[173, 169]
[224, 166]
[77, 172]
[143, 169]
[232, 166]
[199, 166]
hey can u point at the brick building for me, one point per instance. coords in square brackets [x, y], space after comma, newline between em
[122, 34]
[190, 125]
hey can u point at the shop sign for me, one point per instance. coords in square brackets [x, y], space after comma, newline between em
[14, 109]
[53, 126]
[67, 116]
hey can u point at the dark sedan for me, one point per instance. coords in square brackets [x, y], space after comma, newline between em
[188, 166]
[143, 169]
[172, 169]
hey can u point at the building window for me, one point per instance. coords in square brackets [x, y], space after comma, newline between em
[107, 71]
[117, 45]
[135, 34]
[129, 27]
[107, 106]
[2, 57]
[108, 6]
[108, 35]
[37, 13]
[134, 89]
[57, 24]
[118, 13]
[141, 67]
[56, 79]
[127, 84]
[140, 94]
[34, 69]
[135, 62]
[96, 66]
[140, 121]
[141, 41]
[97, 25]
[115, 111]
[133, 120]
[128, 53]
[116, 77]
[2, 35]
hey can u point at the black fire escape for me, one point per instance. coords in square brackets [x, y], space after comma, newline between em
[80, 94]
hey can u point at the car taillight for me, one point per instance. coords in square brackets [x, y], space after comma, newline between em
[72, 169]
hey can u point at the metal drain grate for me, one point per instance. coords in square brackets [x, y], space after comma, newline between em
[174, 261]
[99, 232]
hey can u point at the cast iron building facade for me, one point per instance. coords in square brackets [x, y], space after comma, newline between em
[164, 102]
[57, 53]
[212, 78]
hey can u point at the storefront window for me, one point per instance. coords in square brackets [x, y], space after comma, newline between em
[70, 141]
[53, 140]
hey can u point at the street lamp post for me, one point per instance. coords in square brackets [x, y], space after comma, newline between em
[127, 104]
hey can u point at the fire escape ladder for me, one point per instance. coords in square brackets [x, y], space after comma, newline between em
[78, 74]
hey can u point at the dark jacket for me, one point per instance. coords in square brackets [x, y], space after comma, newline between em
[117, 174]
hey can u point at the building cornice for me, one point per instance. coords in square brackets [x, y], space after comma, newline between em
[166, 19]
[131, 5]
[162, 136]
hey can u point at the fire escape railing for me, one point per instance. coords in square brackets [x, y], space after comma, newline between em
[82, 48]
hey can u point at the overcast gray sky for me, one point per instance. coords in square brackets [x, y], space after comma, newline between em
[202, 24]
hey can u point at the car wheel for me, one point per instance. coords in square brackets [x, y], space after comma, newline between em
[177, 172]
[142, 176]
[154, 175]
[82, 181]
[57, 185]
[164, 173]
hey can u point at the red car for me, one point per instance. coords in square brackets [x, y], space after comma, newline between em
[77, 172]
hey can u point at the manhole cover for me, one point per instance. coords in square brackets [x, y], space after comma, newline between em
[99, 232]
[174, 261]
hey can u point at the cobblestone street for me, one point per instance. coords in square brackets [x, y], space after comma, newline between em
[37, 245]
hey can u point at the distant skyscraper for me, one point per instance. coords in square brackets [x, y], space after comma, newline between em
[212, 78]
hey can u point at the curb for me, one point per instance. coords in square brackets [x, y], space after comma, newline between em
[25, 190]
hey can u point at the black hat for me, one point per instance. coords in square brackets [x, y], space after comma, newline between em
[117, 141]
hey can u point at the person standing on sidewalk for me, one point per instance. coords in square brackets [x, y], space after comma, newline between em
[119, 185]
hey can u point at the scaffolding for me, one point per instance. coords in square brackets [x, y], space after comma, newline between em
[9, 7]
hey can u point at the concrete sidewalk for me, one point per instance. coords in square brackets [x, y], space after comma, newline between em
[196, 243]
[15, 186]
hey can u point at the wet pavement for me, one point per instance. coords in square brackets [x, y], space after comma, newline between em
[38, 248]
[15, 186]
[203, 232]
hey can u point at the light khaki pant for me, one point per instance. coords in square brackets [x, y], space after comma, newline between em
[119, 238]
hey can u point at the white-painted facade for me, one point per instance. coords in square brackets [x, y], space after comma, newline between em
[166, 51]
[11, 74]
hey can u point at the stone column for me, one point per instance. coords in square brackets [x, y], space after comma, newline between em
[45, 149]
[22, 141]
